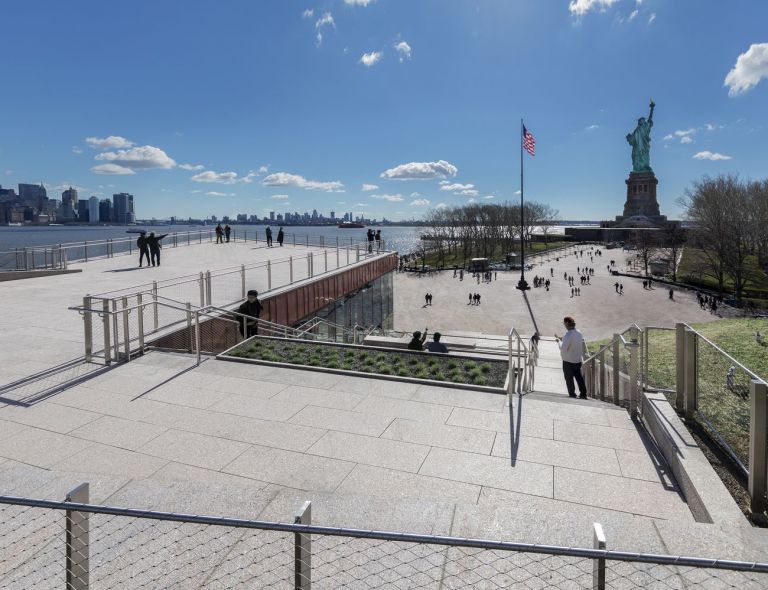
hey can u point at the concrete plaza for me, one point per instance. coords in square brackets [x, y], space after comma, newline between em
[599, 311]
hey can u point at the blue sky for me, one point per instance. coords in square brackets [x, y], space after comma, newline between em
[243, 106]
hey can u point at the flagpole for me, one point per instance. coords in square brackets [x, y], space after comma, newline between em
[522, 285]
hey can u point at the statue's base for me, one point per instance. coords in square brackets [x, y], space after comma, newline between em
[641, 208]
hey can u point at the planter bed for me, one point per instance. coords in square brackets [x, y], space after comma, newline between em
[389, 363]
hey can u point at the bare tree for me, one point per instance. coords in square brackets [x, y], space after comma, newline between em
[673, 237]
[645, 243]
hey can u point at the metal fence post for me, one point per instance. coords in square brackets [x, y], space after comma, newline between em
[303, 549]
[105, 321]
[615, 352]
[337, 252]
[602, 375]
[511, 373]
[154, 305]
[126, 333]
[85, 250]
[758, 444]
[269, 275]
[634, 396]
[357, 258]
[294, 240]
[202, 289]
[325, 256]
[77, 542]
[189, 324]
[197, 335]
[347, 254]
[598, 565]
[208, 289]
[309, 265]
[691, 367]
[242, 280]
[88, 324]
[290, 268]
[115, 333]
[679, 367]
[140, 321]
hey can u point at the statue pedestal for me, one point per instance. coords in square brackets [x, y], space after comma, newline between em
[641, 208]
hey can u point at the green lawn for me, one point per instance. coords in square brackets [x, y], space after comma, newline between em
[497, 254]
[690, 271]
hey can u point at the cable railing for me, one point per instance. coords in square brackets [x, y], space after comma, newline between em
[523, 357]
[47, 544]
[58, 256]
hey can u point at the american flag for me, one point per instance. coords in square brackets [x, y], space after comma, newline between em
[529, 143]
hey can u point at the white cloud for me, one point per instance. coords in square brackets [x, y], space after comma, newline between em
[421, 171]
[211, 176]
[191, 166]
[76, 150]
[111, 169]
[308, 13]
[280, 197]
[390, 198]
[404, 50]
[370, 59]
[287, 179]
[419, 202]
[489, 197]
[633, 14]
[326, 20]
[216, 194]
[440, 206]
[592, 127]
[357, 2]
[369, 187]
[415, 195]
[472, 201]
[360, 205]
[582, 7]
[750, 68]
[468, 193]
[686, 140]
[446, 186]
[707, 155]
[113, 142]
[138, 158]
[652, 18]
[685, 135]
[517, 192]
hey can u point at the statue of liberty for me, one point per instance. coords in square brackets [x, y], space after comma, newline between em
[640, 140]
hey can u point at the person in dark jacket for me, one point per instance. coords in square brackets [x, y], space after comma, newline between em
[153, 242]
[219, 234]
[251, 307]
[417, 342]
[436, 345]
[268, 232]
[227, 231]
[143, 246]
[280, 236]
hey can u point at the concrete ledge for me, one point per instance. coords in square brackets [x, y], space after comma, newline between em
[15, 275]
[708, 498]
[402, 343]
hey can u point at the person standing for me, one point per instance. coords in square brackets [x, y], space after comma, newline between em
[470, 299]
[227, 231]
[572, 351]
[671, 294]
[219, 234]
[280, 236]
[369, 236]
[153, 242]
[143, 246]
[377, 239]
[268, 232]
[251, 307]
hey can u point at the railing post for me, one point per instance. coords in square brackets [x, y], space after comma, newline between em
[510, 371]
[357, 258]
[269, 275]
[105, 329]
[154, 304]
[347, 255]
[85, 250]
[140, 321]
[601, 358]
[758, 445]
[77, 540]
[598, 565]
[615, 353]
[303, 549]
[325, 256]
[294, 240]
[202, 289]
[337, 251]
[126, 333]
[634, 396]
[208, 289]
[88, 325]
[115, 333]
[189, 324]
[290, 267]
[197, 335]
[310, 272]
[242, 280]
[691, 367]
[679, 367]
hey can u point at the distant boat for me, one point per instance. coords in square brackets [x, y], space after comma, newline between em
[350, 225]
[11, 224]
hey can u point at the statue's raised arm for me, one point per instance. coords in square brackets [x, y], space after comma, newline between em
[650, 116]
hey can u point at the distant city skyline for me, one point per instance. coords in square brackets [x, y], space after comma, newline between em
[388, 108]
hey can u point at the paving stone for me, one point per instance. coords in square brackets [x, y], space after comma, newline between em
[405, 409]
[369, 450]
[342, 420]
[117, 432]
[527, 424]
[599, 436]
[460, 398]
[441, 435]
[318, 397]
[376, 387]
[40, 448]
[49, 417]
[194, 449]
[106, 460]
[496, 472]
[648, 466]
[265, 409]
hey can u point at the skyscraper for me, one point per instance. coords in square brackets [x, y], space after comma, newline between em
[123, 208]
[93, 210]
[33, 195]
[82, 210]
[69, 204]
[105, 211]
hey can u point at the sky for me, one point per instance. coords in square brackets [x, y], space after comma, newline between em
[386, 108]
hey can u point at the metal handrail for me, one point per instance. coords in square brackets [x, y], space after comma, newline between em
[725, 354]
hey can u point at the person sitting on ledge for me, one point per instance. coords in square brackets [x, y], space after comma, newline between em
[436, 345]
[417, 342]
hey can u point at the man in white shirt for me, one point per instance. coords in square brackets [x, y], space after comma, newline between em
[572, 351]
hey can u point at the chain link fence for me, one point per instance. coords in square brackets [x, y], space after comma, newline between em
[78, 546]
